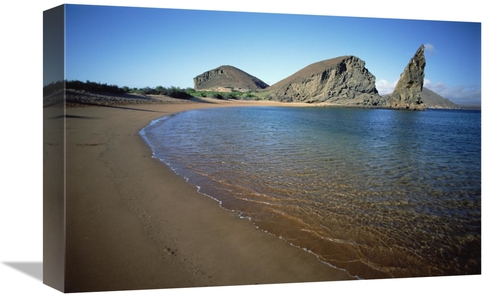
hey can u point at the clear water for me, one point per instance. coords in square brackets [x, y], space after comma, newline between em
[379, 193]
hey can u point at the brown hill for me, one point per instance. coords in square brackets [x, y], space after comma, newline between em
[343, 80]
[228, 77]
[340, 81]
[433, 100]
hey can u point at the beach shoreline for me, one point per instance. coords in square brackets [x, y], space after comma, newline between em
[133, 223]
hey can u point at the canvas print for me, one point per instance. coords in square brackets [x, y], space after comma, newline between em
[193, 148]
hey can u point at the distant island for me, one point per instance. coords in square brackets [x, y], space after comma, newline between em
[343, 81]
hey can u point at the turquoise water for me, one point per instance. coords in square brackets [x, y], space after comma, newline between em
[379, 193]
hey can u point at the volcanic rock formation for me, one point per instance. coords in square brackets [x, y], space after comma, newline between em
[408, 91]
[343, 80]
[433, 100]
[228, 76]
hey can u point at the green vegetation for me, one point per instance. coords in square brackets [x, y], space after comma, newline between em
[91, 86]
[174, 92]
[88, 86]
[248, 95]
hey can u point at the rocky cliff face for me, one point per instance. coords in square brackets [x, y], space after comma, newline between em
[343, 80]
[228, 76]
[408, 91]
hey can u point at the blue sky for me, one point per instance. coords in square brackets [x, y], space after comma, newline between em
[139, 47]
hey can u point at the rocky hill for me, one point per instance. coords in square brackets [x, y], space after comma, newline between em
[228, 77]
[433, 100]
[343, 81]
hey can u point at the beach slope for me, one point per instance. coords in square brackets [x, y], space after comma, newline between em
[132, 223]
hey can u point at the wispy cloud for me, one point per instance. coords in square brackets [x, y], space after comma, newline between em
[429, 48]
[461, 94]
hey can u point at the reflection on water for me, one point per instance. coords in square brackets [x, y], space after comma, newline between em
[380, 193]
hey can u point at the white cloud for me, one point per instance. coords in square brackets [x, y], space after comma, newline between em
[384, 87]
[429, 48]
[461, 94]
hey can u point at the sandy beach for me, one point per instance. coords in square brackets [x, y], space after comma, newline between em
[132, 223]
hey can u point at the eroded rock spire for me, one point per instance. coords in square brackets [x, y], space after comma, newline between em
[408, 91]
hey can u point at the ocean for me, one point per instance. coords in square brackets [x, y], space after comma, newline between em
[378, 193]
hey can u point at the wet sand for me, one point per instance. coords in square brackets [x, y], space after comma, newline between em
[132, 223]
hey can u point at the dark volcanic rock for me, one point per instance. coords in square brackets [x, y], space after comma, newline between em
[228, 77]
[408, 91]
[343, 81]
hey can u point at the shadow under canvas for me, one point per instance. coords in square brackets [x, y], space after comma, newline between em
[33, 269]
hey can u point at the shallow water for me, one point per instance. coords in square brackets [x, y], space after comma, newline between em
[379, 193]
